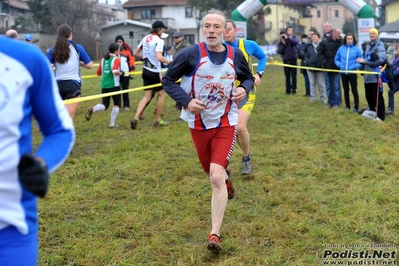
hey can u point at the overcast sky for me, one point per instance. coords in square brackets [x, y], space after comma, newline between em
[111, 2]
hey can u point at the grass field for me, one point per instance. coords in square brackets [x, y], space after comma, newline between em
[322, 178]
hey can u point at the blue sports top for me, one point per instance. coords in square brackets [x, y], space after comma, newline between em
[70, 70]
[253, 49]
[28, 88]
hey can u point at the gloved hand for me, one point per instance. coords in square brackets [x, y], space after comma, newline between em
[34, 175]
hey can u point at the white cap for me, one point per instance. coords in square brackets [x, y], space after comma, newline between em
[164, 35]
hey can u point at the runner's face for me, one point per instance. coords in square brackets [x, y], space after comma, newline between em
[160, 31]
[213, 29]
[230, 33]
[119, 42]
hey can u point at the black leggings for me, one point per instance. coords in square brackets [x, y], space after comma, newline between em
[115, 98]
[125, 81]
[352, 80]
[371, 96]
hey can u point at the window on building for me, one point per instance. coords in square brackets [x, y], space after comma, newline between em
[189, 12]
[190, 38]
[318, 13]
[148, 13]
[130, 14]
[336, 13]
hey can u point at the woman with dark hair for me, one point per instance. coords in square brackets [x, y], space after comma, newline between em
[67, 58]
[109, 70]
[127, 65]
[346, 59]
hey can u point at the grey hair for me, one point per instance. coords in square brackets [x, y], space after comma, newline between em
[217, 12]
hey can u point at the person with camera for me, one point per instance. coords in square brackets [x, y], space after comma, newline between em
[287, 48]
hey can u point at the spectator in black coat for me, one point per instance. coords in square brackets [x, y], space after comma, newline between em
[326, 54]
[302, 47]
[316, 78]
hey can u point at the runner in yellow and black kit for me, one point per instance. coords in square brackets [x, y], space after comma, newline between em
[249, 49]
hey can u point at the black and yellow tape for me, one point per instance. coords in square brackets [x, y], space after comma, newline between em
[275, 62]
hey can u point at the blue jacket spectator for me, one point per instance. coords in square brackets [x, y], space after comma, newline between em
[346, 59]
[395, 62]
[347, 55]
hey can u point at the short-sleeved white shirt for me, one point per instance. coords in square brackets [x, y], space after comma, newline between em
[150, 45]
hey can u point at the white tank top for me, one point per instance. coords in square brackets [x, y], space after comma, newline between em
[70, 69]
[150, 45]
[213, 85]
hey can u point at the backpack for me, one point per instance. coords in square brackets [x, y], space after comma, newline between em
[390, 72]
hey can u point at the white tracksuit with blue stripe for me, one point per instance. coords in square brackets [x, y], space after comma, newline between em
[25, 91]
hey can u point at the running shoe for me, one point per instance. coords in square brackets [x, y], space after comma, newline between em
[133, 124]
[214, 243]
[89, 114]
[161, 123]
[246, 168]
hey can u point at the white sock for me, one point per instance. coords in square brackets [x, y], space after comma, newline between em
[98, 107]
[114, 114]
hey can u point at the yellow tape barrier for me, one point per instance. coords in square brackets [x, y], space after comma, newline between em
[275, 62]
[97, 96]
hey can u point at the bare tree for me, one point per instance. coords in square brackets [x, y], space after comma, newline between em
[78, 14]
